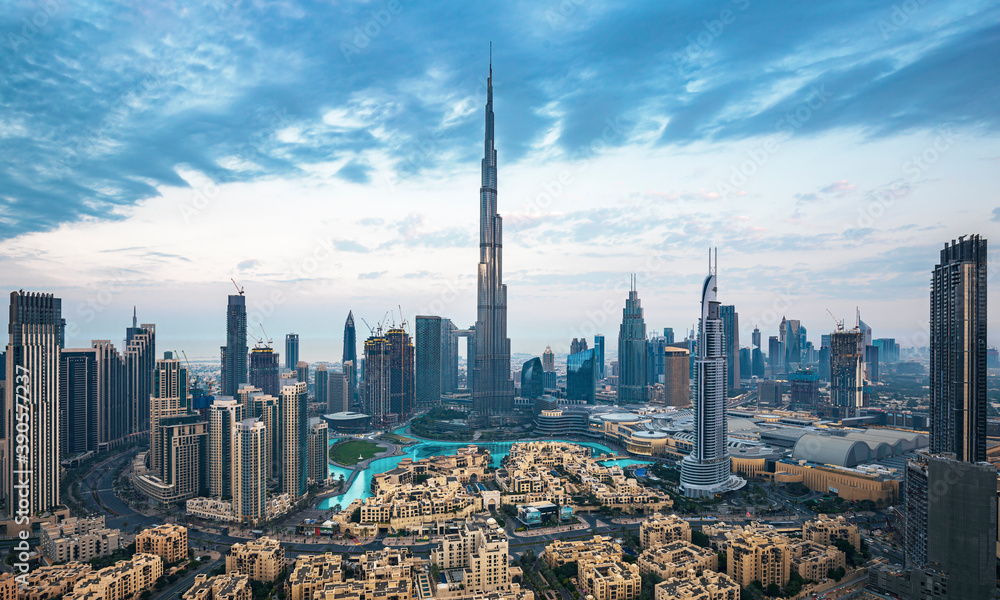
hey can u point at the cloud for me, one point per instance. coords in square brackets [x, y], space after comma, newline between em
[350, 246]
[996, 214]
[371, 275]
[839, 188]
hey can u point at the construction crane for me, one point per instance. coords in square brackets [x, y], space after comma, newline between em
[188, 363]
[257, 340]
[238, 288]
[840, 323]
[370, 330]
[266, 338]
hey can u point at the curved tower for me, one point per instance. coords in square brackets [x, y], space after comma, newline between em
[707, 470]
[493, 387]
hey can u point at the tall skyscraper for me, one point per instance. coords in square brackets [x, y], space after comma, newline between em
[402, 384]
[548, 360]
[264, 407]
[234, 353]
[632, 369]
[958, 350]
[291, 350]
[294, 443]
[376, 391]
[449, 357]
[350, 354]
[169, 399]
[707, 470]
[321, 385]
[577, 345]
[493, 387]
[731, 339]
[599, 355]
[224, 414]
[428, 357]
[264, 370]
[755, 337]
[140, 358]
[532, 379]
[250, 472]
[319, 445]
[793, 345]
[31, 398]
[111, 419]
[677, 377]
[847, 374]
[77, 401]
[581, 376]
[302, 372]
[668, 333]
[339, 397]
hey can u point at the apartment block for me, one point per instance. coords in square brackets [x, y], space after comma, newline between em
[220, 587]
[53, 581]
[78, 539]
[561, 552]
[826, 530]
[661, 529]
[169, 542]
[611, 580]
[812, 560]
[759, 554]
[708, 586]
[313, 573]
[676, 559]
[124, 580]
[261, 560]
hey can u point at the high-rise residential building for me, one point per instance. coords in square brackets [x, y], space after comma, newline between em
[532, 379]
[746, 363]
[888, 350]
[775, 355]
[493, 387]
[350, 354]
[481, 551]
[599, 355]
[389, 376]
[319, 444]
[577, 345]
[31, 398]
[234, 353]
[264, 369]
[339, 396]
[757, 368]
[169, 399]
[224, 414]
[429, 354]
[402, 383]
[112, 416]
[183, 469]
[656, 349]
[376, 380]
[804, 385]
[676, 377]
[321, 385]
[847, 377]
[140, 358]
[302, 372]
[264, 407]
[632, 370]
[755, 337]
[548, 360]
[668, 333]
[291, 350]
[581, 376]
[731, 339]
[951, 522]
[707, 470]
[294, 438]
[958, 350]
[449, 357]
[77, 401]
[250, 473]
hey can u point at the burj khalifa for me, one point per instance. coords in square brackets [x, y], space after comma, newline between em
[493, 387]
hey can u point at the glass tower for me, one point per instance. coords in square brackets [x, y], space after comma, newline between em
[581, 376]
[632, 371]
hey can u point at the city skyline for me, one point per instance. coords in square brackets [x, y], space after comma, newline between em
[629, 180]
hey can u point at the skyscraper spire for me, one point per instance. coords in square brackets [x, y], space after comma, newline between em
[135, 320]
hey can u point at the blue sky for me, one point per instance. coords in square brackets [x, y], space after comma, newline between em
[326, 156]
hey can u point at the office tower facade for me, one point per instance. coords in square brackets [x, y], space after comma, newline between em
[632, 354]
[492, 385]
[234, 353]
[112, 415]
[350, 354]
[294, 438]
[321, 385]
[656, 348]
[249, 472]
[668, 333]
[376, 379]
[532, 379]
[302, 372]
[402, 381]
[676, 377]
[548, 360]
[707, 470]
[599, 355]
[264, 370]
[449, 357]
[757, 368]
[339, 396]
[31, 398]
[755, 337]
[746, 362]
[775, 356]
[888, 350]
[577, 345]
[429, 355]
[581, 376]
[183, 468]
[169, 399]
[291, 350]
[731, 339]
[77, 401]
[224, 415]
[958, 350]
[847, 370]
[319, 444]
[140, 358]
[793, 345]
[951, 522]
[804, 385]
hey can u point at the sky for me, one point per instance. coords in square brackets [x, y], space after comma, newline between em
[326, 156]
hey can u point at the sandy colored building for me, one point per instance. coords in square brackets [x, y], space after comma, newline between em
[826, 530]
[168, 541]
[78, 539]
[611, 580]
[8, 586]
[312, 573]
[53, 581]
[561, 552]
[480, 549]
[851, 484]
[261, 559]
[708, 586]
[676, 559]
[812, 560]
[124, 580]
[662, 529]
[220, 587]
[759, 554]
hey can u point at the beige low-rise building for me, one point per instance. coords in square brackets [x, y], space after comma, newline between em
[76, 539]
[759, 554]
[676, 559]
[312, 573]
[221, 587]
[812, 560]
[480, 549]
[661, 529]
[611, 580]
[124, 580]
[827, 530]
[561, 552]
[261, 559]
[708, 586]
[53, 581]
[8, 586]
[168, 541]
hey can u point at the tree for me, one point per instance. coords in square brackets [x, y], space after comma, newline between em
[700, 538]
[773, 590]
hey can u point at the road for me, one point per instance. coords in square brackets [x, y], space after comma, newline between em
[184, 583]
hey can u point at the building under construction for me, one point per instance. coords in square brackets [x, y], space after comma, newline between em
[389, 392]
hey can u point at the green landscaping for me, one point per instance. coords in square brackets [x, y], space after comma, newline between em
[347, 452]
